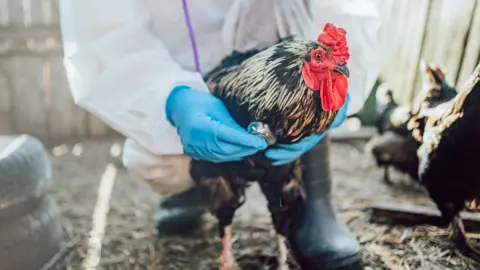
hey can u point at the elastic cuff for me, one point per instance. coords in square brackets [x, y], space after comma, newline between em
[171, 101]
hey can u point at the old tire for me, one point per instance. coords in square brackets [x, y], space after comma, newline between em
[29, 242]
[25, 175]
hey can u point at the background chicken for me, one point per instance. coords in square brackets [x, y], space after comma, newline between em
[396, 145]
[449, 155]
[289, 91]
[392, 146]
[392, 116]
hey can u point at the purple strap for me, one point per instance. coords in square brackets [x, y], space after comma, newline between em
[192, 36]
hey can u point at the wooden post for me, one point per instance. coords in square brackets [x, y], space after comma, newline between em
[446, 32]
[471, 56]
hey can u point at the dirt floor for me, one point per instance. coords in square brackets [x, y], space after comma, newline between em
[130, 240]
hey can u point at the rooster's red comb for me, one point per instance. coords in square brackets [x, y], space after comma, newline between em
[335, 39]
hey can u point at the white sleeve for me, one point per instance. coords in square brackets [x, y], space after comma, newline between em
[362, 21]
[119, 71]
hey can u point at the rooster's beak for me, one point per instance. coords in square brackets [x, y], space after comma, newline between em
[343, 69]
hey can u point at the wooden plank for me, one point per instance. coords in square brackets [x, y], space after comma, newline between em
[26, 77]
[406, 213]
[389, 19]
[29, 53]
[5, 115]
[402, 37]
[28, 12]
[4, 13]
[113, 133]
[96, 127]
[47, 11]
[19, 40]
[34, 31]
[471, 56]
[55, 11]
[411, 214]
[65, 118]
[344, 134]
[15, 12]
[385, 9]
[80, 116]
[446, 30]
[36, 11]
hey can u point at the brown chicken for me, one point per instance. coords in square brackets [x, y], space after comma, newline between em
[286, 92]
[396, 145]
[449, 156]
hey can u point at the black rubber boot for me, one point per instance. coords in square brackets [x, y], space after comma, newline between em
[318, 240]
[182, 213]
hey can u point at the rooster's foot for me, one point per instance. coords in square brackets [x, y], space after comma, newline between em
[282, 253]
[386, 176]
[461, 245]
[228, 260]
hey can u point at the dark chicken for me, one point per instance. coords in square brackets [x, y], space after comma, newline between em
[286, 92]
[393, 150]
[449, 156]
[396, 145]
[435, 88]
[435, 91]
[392, 117]
[393, 146]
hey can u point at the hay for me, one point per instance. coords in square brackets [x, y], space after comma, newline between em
[131, 241]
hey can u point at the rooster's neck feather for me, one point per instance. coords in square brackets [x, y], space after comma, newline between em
[268, 87]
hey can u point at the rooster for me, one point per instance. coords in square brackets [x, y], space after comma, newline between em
[284, 93]
[449, 156]
[397, 143]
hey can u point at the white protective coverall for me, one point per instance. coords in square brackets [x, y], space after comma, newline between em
[123, 57]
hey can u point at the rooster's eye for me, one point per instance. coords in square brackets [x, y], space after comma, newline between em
[318, 57]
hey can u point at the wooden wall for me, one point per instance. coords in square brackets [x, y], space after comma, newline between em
[34, 94]
[443, 32]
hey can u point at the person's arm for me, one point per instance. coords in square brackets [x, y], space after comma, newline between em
[119, 71]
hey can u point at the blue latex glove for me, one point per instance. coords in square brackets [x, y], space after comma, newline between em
[285, 153]
[206, 129]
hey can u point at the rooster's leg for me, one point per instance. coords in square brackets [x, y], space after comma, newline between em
[282, 253]
[386, 175]
[461, 245]
[228, 261]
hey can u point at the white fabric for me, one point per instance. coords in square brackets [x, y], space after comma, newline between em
[123, 57]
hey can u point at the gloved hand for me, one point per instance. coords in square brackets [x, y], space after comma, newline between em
[206, 129]
[285, 153]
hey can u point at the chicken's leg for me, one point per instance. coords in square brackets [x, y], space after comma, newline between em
[461, 245]
[386, 175]
[282, 253]
[228, 260]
